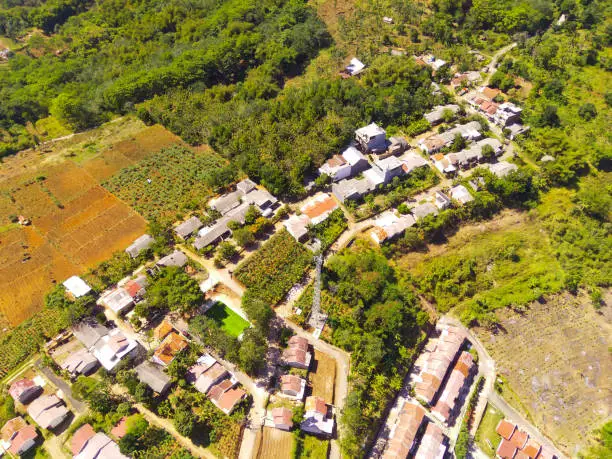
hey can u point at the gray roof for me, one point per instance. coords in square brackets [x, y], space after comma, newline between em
[210, 234]
[462, 129]
[245, 186]
[153, 376]
[227, 202]
[89, 332]
[502, 168]
[143, 242]
[435, 116]
[261, 198]
[188, 227]
[424, 210]
[176, 258]
[352, 188]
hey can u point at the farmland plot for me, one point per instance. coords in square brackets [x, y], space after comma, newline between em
[322, 376]
[275, 268]
[555, 358]
[275, 443]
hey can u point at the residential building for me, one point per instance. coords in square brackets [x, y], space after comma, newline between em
[81, 362]
[412, 161]
[112, 348]
[516, 130]
[436, 116]
[163, 330]
[443, 164]
[469, 131]
[18, 437]
[292, 386]
[353, 189]
[176, 258]
[206, 373]
[100, 446]
[431, 61]
[214, 234]
[505, 429]
[350, 163]
[396, 146]
[76, 287]
[118, 300]
[454, 393]
[433, 444]
[297, 354]
[153, 376]
[282, 418]
[225, 396]
[506, 450]
[371, 138]
[24, 390]
[441, 200]
[246, 194]
[387, 169]
[245, 186]
[423, 210]
[460, 193]
[188, 227]
[169, 349]
[502, 168]
[389, 225]
[318, 418]
[80, 438]
[466, 78]
[507, 114]
[137, 287]
[319, 207]
[89, 332]
[142, 243]
[404, 432]
[297, 226]
[355, 67]
[48, 411]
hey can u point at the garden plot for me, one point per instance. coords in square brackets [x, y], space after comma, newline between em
[275, 443]
[322, 376]
[227, 319]
[556, 363]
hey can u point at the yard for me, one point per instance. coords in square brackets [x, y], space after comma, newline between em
[486, 431]
[554, 359]
[227, 319]
[322, 376]
[275, 443]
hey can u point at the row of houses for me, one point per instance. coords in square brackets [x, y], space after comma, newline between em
[47, 410]
[211, 378]
[450, 163]
[506, 114]
[516, 443]
[434, 143]
[313, 212]
[86, 443]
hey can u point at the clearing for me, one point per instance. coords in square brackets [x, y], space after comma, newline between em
[555, 361]
[486, 431]
[275, 443]
[322, 376]
[76, 223]
[227, 319]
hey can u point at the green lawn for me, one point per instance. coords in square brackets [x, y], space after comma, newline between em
[227, 319]
[486, 430]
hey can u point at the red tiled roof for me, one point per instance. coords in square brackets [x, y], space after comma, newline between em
[319, 206]
[291, 383]
[19, 387]
[316, 404]
[80, 437]
[505, 429]
[519, 438]
[120, 429]
[532, 448]
[26, 434]
[133, 288]
[295, 356]
[506, 450]
[170, 347]
[162, 330]
[12, 427]
[298, 342]
[230, 398]
[336, 160]
[282, 416]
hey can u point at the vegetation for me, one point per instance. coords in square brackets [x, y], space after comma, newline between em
[274, 268]
[227, 319]
[329, 230]
[603, 443]
[172, 289]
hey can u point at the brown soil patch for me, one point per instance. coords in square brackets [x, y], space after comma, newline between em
[556, 359]
[275, 444]
[322, 376]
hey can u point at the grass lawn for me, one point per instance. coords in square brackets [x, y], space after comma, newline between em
[486, 430]
[227, 319]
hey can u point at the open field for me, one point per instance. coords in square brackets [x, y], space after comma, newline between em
[227, 319]
[486, 431]
[275, 444]
[322, 376]
[76, 223]
[555, 359]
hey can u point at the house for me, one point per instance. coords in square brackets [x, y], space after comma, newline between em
[246, 186]
[206, 373]
[293, 386]
[76, 287]
[371, 138]
[353, 189]
[423, 210]
[297, 226]
[118, 300]
[81, 362]
[89, 332]
[431, 61]
[153, 376]
[454, 393]
[519, 438]
[435, 362]
[469, 131]
[396, 146]
[436, 116]
[432, 444]
[389, 225]
[463, 79]
[432, 144]
[317, 417]
[24, 390]
[441, 200]
[176, 258]
[505, 429]
[223, 204]
[507, 114]
[169, 349]
[319, 207]
[387, 169]
[225, 396]
[18, 436]
[262, 200]
[48, 411]
[517, 129]
[387, 20]
[355, 67]
[460, 193]
[297, 355]
[404, 432]
[162, 330]
[112, 348]
[142, 243]
[282, 418]
[188, 227]
[532, 449]
[100, 446]
[502, 168]
[214, 234]
[80, 438]
[490, 93]
[136, 287]
[350, 163]
[412, 161]
[506, 450]
[443, 164]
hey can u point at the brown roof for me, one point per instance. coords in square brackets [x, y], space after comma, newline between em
[12, 427]
[226, 384]
[24, 435]
[521, 455]
[162, 330]
[380, 233]
[438, 156]
[316, 404]
[519, 438]
[120, 429]
[336, 160]
[295, 356]
[170, 347]
[282, 416]
[230, 398]
[506, 450]
[297, 342]
[316, 208]
[80, 437]
[532, 448]
[491, 92]
[19, 387]
[215, 393]
[118, 342]
[291, 383]
[505, 429]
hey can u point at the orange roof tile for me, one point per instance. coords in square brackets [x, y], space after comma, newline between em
[519, 438]
[170, 347]
[80, 437]
[505, 429]
[316, 404]
[162, 330]
[506, 450]
[532, 448]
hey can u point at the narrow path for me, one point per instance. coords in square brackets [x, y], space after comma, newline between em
[493, 64]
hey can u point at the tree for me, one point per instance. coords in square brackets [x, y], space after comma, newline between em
[459, 142]
[7, 409]
[184, 421]
[488, 153]
[258, 311]
[243, 237]
[251, 215]
[252, 352]
[549, 117]
[173, 289]
[448, 115]
[403, 208]
[227, 250]
[322, 181]
[587, 111]
[463, 442]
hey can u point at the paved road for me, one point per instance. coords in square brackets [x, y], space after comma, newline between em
[493, 64]
[78, 406]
